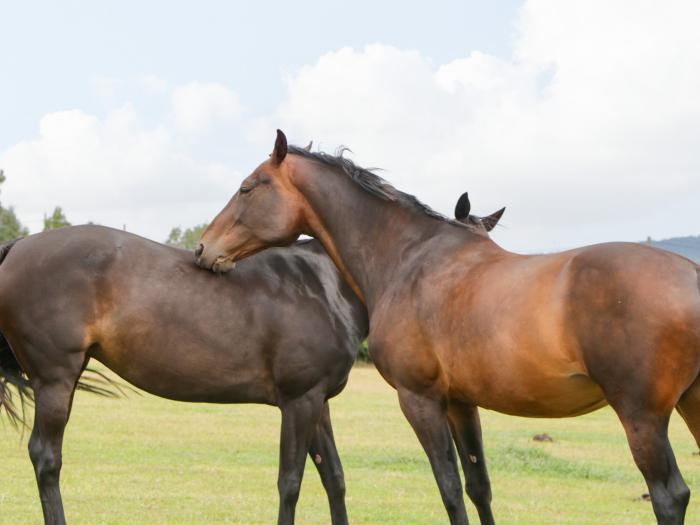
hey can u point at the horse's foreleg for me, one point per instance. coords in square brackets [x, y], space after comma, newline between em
[325, 456]
[428, 418]
[466, 431]
[299, 419]
[647, 434]
[52, 408]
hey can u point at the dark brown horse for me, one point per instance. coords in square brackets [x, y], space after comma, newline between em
[457, 322]
[283, 330]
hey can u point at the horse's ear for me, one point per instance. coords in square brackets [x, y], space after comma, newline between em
[491, 221]
[463, 207]
[280, 151]
[309, 145]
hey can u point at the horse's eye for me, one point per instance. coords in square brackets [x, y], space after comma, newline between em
[245, 189]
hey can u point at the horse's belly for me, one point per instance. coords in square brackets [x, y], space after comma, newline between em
[566, 396]
[210, 377]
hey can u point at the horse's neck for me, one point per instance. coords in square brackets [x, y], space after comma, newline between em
[367, 238]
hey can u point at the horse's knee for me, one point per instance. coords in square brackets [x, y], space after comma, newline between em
[479, 492]
[47, 464]
[681, 492]
[34, 447]
[334, 482]
[670, 502]
[338, 484]
[681, 495]
[452, 504]
[289, 487]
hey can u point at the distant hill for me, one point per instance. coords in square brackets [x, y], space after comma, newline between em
[687, 246]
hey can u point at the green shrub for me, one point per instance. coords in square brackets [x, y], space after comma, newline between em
[363, 355]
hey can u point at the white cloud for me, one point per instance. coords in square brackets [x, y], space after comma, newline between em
[113, 171]
[588, 132]
[154, 84]
[106, 87]
[198, 106]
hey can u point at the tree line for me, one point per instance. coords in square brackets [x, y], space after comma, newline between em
[12, 228]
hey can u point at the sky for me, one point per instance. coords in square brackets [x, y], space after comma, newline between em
[582, 118]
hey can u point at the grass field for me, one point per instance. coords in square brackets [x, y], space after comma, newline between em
[145, 460]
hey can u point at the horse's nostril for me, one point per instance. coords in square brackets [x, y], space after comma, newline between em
[199, 250]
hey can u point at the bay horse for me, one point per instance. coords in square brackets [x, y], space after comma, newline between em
[457, 322]
[284, 330]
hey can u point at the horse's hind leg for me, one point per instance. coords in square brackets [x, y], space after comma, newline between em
[466, 431]
[647, 434]
[325, 456]
[299, 419]
[53, 393]
[689, 409]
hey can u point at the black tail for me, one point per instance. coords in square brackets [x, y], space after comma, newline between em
[15, 390]
[14, 386]
[13, 381]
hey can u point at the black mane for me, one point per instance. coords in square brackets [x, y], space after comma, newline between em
[368, 181]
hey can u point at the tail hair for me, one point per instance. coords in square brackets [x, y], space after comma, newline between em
[6, 247]
[15, 391]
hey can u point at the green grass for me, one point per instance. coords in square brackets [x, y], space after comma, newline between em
[150, 461]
